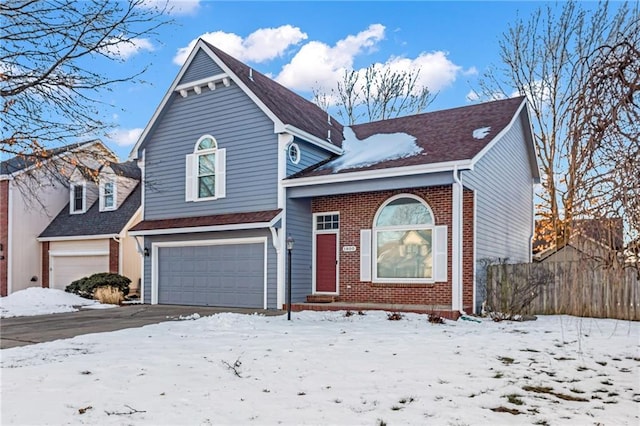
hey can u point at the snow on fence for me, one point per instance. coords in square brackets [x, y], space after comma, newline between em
[580, 288]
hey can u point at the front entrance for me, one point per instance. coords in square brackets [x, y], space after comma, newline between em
[326, 228]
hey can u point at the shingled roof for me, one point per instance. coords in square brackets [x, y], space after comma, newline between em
[21, 162]
[442, 136]
[128, 169]
[93, 221]
[289, 107]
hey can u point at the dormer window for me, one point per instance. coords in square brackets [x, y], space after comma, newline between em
[78, 198]
[107, 196]
[205, 171]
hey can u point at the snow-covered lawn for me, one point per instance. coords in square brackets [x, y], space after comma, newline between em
[41, 301]
[329, 368]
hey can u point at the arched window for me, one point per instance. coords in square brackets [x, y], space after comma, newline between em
[205, 176]
[403, 241]
[206, 160]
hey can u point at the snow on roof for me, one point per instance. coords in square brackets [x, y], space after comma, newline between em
[481, 133]
[372, 150]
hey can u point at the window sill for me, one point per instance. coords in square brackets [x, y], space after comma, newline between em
[404, 284]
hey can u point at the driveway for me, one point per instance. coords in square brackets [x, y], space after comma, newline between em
[23, 331]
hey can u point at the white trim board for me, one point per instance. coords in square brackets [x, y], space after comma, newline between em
[197, 243]
[78, 238]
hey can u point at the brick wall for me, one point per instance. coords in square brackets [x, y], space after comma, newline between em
[4, 235]
[114, 256]
[45, 263]
[357, 212]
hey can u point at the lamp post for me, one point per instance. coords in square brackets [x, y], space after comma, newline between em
[290, 242]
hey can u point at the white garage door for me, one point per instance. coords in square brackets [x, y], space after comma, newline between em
[66, 269]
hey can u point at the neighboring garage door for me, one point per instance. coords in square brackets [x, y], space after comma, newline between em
[66, 269]
[229, 275]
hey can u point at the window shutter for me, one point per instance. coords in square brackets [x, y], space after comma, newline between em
[221, 173]
[190, 178]
[365, 255]
[440, 254]
[101, 196]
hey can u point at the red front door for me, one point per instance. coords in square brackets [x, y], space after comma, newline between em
[326, 263]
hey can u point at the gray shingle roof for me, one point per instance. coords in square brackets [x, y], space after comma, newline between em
[128, 169]
[93, 221]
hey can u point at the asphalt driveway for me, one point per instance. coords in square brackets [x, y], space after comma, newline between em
[21, 331]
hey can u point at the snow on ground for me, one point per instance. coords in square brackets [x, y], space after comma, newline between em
[41, 301]
[329, 368]
[372, 150]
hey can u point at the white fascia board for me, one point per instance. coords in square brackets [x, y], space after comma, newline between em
[163, 103]
[312, 139]
[198, 229]
[276, 121]
[77, 238]
[379, 174]
[499, 136]
[201, 82]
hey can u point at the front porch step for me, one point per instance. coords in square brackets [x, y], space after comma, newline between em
[443, 311]
[321, 298]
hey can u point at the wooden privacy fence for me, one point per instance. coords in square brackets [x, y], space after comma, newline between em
[580, 288]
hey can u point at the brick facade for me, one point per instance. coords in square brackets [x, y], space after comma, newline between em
[357, 212]
[114, 256]
[45, 263]
[4, 236]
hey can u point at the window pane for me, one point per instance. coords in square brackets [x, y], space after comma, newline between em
[206, 143]
[206, 165]
[77, 197]
[206, 186]
[404, 254]
[404, 211]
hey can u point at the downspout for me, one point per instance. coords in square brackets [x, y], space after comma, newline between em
[456, 242]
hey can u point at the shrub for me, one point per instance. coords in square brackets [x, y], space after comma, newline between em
[109, 295]
[86, 287]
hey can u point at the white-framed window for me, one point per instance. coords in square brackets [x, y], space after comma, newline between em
[78, 198]
[205, 171]
[294, 153]
[403, 240]
[107, 195]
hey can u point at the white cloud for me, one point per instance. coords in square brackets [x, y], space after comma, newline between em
[436, 70]
[173, 7]
[473, 96]
[125, 137]
[262, 45]
[124, 49]
[318, 64]
[470, 71]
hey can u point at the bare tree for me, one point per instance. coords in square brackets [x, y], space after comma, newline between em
[377, 93]
[54, 57]
[579, 70]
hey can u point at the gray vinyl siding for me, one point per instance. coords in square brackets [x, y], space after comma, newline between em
[299, 226]
[240, 127]
[503, 182]
[412, 181]
[272, 260]
[309, 156]
[201, 67]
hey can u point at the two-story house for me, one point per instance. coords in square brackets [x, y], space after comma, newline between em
[33, 189]
[391, 212]
[90, 233]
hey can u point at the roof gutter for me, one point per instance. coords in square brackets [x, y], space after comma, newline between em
[378, 173]
[77, 237]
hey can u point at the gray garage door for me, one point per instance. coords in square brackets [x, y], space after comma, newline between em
[214, 275]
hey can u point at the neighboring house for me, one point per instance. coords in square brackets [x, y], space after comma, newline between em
[90, 234]
[32, 192]
[391, 212]
[597, 239]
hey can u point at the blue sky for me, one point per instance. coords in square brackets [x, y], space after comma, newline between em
[304, 44]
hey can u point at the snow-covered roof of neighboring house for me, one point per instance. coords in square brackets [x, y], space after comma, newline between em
[451, 135]
[93, 221]
[288, 106]
[22, 162]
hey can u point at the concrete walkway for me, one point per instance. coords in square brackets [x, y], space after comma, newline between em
[21, 331]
